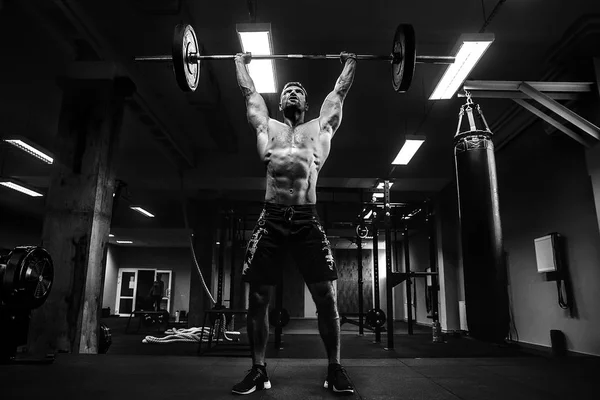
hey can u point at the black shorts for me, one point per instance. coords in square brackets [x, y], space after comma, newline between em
[288, 230]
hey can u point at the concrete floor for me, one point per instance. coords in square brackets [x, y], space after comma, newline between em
[174, 377]
[416, 369]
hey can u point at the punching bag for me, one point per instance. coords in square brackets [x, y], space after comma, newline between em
[484, 266]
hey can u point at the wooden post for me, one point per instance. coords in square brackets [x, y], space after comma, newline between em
[78, 214]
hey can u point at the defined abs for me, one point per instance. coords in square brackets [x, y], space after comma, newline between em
[288, 179]
[289, 164]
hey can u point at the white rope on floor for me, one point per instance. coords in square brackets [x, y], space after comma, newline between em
[180, 335]
[193, 334]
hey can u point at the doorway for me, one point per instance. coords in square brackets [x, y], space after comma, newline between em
[133, 289]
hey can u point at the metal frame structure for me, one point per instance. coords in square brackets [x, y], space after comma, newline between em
[543, 94]
[394, 277]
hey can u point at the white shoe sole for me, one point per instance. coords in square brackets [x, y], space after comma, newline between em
[267, 385]
[326, 386]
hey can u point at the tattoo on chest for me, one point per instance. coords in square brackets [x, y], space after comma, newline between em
[293, 136]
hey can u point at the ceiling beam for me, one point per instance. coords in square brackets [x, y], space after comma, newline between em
[561, 110]
[514, 120]
[518, 91]
[510, 89]
[539, 113]
[492, 94]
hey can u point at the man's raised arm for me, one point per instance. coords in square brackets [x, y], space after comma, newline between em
[331, 110]
[256, 109]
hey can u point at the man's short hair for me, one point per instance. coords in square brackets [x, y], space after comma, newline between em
[295, 84]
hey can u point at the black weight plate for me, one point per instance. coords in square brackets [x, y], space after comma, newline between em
[404, 51]
[376, 318]
[185, 43]
[362, 231]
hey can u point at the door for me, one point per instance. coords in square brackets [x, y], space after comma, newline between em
[133, 288]
[165, 276]
[125, 301]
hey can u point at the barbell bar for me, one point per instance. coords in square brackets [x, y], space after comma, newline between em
[186, 57]
[194, 57]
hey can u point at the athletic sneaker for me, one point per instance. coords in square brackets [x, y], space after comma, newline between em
[256, 379]
[337, 379]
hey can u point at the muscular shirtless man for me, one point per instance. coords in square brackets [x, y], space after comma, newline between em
[293, 152]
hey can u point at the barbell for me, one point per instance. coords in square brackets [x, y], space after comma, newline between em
[186, 57]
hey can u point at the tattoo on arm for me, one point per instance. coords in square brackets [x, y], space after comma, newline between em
[245, 82]
[246, 91]
[331, 111]
[344, 82]
[256, 108]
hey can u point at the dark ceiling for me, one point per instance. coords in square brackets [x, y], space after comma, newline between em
[205, 136]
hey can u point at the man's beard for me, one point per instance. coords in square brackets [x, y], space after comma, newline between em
[294, 106]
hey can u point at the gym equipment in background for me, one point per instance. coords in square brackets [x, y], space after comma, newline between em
[26, 277]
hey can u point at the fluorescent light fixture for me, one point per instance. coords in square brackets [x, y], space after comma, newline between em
[124, 242]
[19, 187]
[470, 49]
[381, 184]
[111, 235]
[31, 149]
[378, 195]
[257, 39]
[408, 150]
[142, 211]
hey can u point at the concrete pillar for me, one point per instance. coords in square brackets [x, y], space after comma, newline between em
[78, 214]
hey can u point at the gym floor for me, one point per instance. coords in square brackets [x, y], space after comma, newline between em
[460, 368]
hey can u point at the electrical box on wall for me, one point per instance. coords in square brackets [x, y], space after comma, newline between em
[546, 253]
